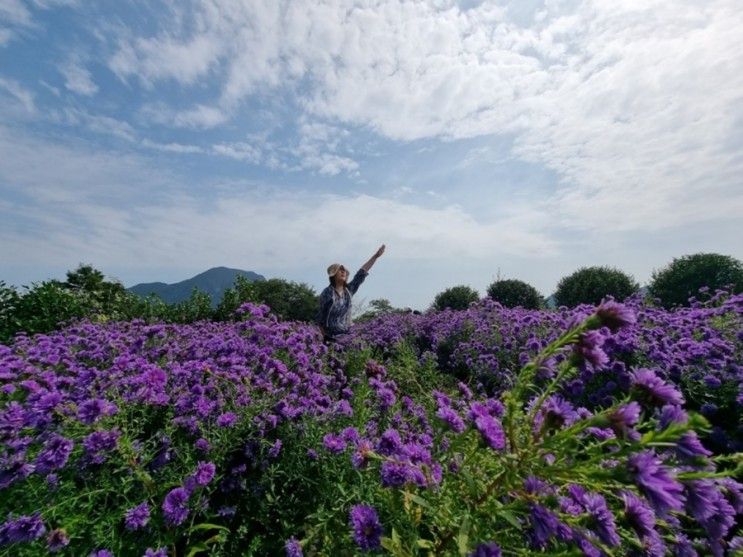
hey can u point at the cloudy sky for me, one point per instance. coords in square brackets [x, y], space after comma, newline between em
[523, 139]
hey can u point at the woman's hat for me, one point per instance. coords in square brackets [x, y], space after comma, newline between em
[334, 268]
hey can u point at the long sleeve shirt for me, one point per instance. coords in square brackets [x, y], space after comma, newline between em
[335, 309]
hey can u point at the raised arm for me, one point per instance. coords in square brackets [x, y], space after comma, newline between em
[368, 265]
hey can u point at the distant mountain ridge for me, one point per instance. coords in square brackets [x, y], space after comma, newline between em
[214, 282]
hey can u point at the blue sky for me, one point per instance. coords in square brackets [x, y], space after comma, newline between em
[520, 139]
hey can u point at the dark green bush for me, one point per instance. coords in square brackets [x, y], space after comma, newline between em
[288, 300]
[457, 297]
[589, 285]
[515, 293]
[683, 277]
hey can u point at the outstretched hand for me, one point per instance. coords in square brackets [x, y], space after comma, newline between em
[380, 251]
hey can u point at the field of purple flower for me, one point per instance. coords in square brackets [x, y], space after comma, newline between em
[594, 431]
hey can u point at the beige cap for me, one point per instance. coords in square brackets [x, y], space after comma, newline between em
[333, 269]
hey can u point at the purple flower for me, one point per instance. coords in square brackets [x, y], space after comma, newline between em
[555, 413]
[390, 442]
[362, 453]
[54, 454]
[545, 525]
[367, 530]
[204, 473]
[137, 517]
[689, 446]
[160, 552]
[92, 409]
[101, 553]
[639, 516]
[100, 442]
[57, 540]
[624, 418]
[653, 389]
[671, 414]
[489, 549]
[202, 445]
[615, 316]
[275, 449]
[22, 529]
[228, 419]
[451, 418]
[175, 506]
[293, 548]
[601, 518]
[491, 431]
[589, 348]
[334, 443]
[653, 479]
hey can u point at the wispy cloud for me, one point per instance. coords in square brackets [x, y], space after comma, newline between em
[19, 94]
[78, 79]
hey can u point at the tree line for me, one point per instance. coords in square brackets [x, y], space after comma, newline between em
[87, 294]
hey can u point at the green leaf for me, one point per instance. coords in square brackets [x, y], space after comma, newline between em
[425, 544]
[195, 549]
[510, 518]
[463, 536]
[420, 501]
[207, 526]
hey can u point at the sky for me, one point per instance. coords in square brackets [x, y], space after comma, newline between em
[476, 139]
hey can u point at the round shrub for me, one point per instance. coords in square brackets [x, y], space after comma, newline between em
[515, 293]
[683, 277]
[456, 297]
[589, 285]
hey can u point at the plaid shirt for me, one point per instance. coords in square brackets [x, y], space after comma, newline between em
[335, 309]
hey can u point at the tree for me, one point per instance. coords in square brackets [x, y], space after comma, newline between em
[288, 300]
[589, 285]
[515, 293]
[683, 277]
[456, 297]
[377, 307]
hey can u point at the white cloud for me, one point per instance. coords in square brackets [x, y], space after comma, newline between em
[240, 151]
[632, 104]
[19, 94]
[14, 12]
[74, 201]
[172, 147]
[78, 79]
[199, 117]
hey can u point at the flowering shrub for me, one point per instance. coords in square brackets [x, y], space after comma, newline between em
[253, 438]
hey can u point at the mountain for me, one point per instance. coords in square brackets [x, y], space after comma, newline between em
[214, 282]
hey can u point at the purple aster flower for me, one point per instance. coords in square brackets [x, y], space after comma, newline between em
[98, 443]
[175, 506]
[489, 549]
[639, 516]
[351, 435]
[734, 493]
[293, 548]
[555, 413]
[22, 529]
[491, 431]
[589, 348]
[275, 449]
[394, 474]
[689, 446]
[386, 398]
[334, 443]
[137, 517]
[202, 445]
[700, 499]
[545, 525]
[204, 473]
[653, 479]
[712, 382]
[101, 553]
[362, 453]
[57, 540]
[451, 418]
[601, 518]
[54, 454]
[653, 389]
[312, 454]
[228, 419]
[671, 414]
[614, 315]
[390, 442]
[92, 409]
[367, 530]
[624, 418]
[160, 552]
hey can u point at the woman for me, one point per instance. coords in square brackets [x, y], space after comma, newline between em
[334, 316]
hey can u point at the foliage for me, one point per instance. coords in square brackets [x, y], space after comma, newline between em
[377, 308]
[515, 293]
[590, 285]
[689, 275]
[287, 299]
[456, 297]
